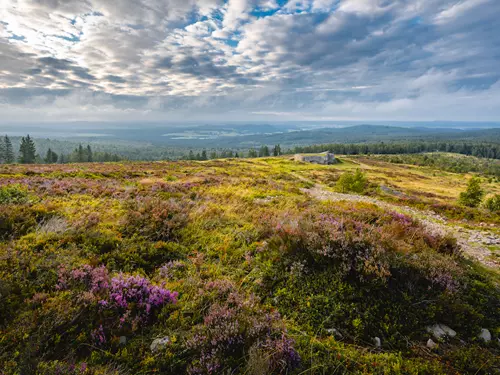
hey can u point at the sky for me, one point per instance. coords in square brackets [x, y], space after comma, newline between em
[249, 60]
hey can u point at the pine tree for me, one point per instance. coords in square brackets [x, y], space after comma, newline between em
[9, 151]
[264, 151]
[277, 150]
[252, 153]
[80, 158]
[204, 155]
[51, 157]
[191, 155]
[2, 151]
[90, 157]
[27, 151]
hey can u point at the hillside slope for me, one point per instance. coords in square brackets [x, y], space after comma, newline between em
[246, 266]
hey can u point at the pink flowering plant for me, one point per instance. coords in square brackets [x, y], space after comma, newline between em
[233, 325]
[124, 302]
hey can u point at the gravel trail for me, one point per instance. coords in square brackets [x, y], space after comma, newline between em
[474, 243]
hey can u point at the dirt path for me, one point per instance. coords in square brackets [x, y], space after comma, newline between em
[474, 243]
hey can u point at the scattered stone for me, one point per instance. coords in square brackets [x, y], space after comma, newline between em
[377, 342]
[439, 331]
[159, 344]
[431, 344]
[123, 340]
[335, 332]
[485, 335]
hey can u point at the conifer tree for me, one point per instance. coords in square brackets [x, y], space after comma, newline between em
[51, 157]
[9, 151]
[80, 154]
[277, 150]
[2, 151]
[27, 151]
[90, 158]
[264, 151]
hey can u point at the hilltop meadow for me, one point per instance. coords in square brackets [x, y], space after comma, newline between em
[373, 265]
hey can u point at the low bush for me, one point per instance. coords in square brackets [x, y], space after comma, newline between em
[13, 194]
[350, 182]
[154, 218]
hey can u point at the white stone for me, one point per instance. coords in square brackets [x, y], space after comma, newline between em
[439, 331]
[159, 344]
[485, 335]
[335, 332]
[431, 344]
[123, 340]
[377, 342]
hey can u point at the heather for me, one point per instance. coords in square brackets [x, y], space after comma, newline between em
[244, 266]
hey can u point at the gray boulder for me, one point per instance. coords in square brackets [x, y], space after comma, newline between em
[485, 335]
[159, 344]
[431, 344]
[440, 331]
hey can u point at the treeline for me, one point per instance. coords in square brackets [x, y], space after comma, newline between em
[447, 162]
[481, 150]
[263, 151]
[28, 154]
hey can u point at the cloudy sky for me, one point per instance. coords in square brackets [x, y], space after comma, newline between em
[174, 60]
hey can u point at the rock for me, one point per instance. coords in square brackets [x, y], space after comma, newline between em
[335, 333]
[439, 331]
[159, 344]
[377, 342]
[485, 335]
[431, 344]
[123, 340]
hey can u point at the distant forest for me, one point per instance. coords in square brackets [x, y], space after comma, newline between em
[478, 149]
[29, 154]
[29, 150]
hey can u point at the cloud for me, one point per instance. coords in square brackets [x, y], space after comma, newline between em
[170, 59]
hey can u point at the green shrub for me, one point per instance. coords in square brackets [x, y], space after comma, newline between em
[473, 195]
[493, 203]
[352, 182]
[154, 218]
[13, 194]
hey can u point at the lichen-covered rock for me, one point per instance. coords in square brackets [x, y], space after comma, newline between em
[485, 335]
[159, 344]
[440, 331]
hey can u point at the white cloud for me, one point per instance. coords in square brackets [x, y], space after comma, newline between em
[154, 58]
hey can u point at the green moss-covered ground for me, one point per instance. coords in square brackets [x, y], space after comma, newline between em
[231, 267]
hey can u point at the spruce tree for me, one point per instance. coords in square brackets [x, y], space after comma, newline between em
[277, 150]
[51, 157]
[2, 151]
[9, 151]
[90, 158]
[264, 151]
[80, 155]
[27, 151]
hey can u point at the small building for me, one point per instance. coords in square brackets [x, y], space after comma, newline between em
[321, 158]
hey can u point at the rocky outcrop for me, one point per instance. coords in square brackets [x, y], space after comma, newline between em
[322, 158]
